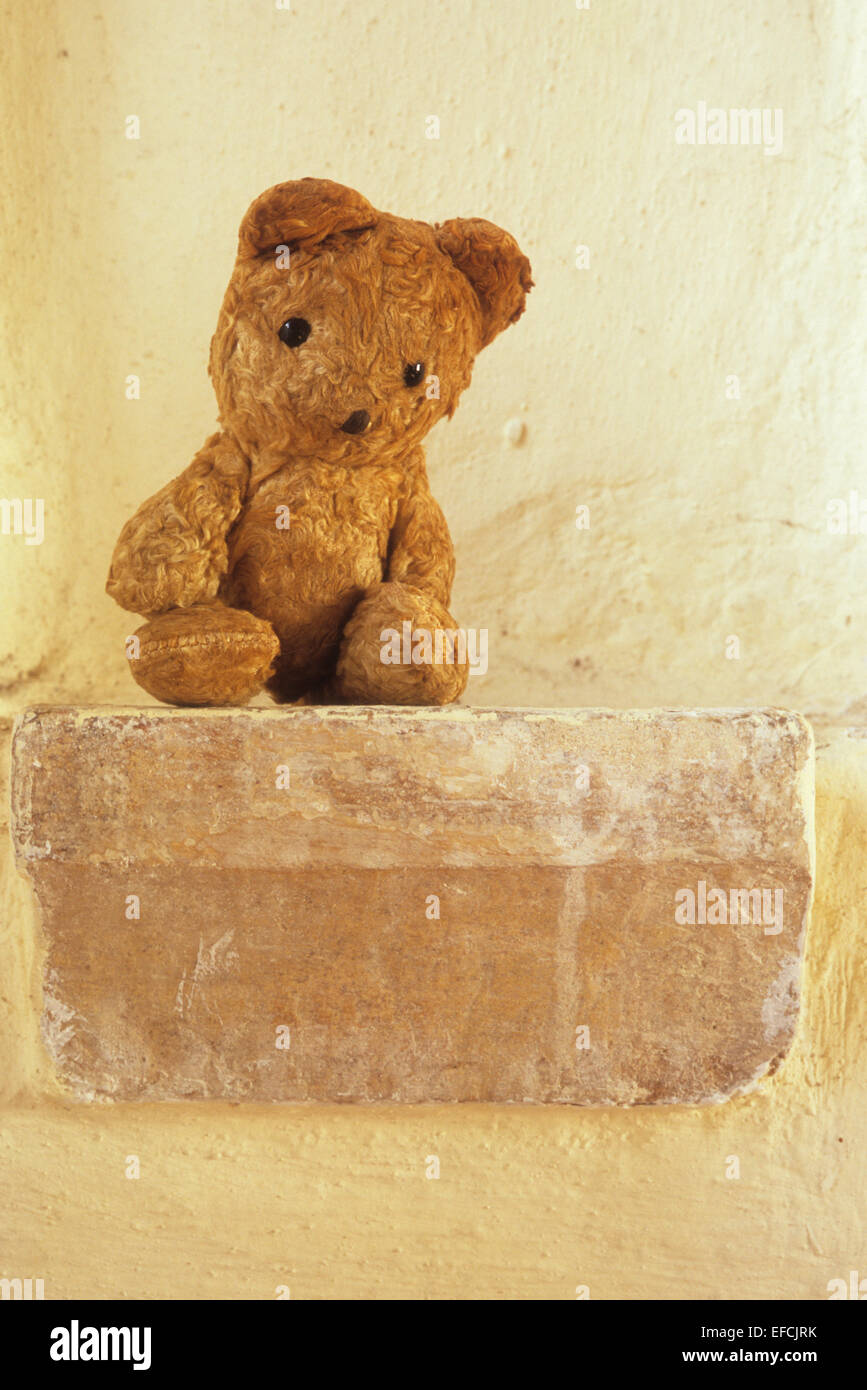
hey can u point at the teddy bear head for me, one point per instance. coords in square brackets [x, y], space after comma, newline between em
[346, 333]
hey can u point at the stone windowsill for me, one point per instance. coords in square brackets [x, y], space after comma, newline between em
[416, 905]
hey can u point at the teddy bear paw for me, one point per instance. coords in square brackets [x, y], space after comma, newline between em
[204, 655]
[400, 648]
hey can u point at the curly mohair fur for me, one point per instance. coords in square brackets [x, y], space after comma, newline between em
[287, 547]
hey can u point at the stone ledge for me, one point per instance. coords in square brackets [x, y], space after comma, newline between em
[287, 867]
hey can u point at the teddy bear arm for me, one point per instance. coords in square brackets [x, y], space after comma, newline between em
[421, 552]
[172, 553]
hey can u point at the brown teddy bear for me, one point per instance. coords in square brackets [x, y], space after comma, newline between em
[305, 530]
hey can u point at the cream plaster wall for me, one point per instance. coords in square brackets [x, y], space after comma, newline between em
[707, 515]
[235, 1200]
[708, 520]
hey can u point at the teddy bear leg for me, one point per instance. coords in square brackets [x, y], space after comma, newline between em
[391, 653]
[207, 654]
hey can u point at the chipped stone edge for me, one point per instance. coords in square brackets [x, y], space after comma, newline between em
[440, 713]
[807, 799]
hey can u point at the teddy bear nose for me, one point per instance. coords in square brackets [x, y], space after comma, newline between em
[357, 422]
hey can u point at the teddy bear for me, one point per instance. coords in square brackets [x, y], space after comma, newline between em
[304, 530]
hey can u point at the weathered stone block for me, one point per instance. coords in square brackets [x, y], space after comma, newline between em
[585, 907]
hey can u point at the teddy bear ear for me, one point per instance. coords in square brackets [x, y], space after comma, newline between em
[301, 213]
[495, 266]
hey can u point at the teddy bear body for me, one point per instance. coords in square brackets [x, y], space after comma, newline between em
[306, 580]
[305, 527]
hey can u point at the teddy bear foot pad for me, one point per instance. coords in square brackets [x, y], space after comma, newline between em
[203, 655]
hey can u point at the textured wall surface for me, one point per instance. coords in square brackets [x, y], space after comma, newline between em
[707, 515]
[708, 520]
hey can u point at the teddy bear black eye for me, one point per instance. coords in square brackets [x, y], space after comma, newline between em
[413, 373]
[294, 332]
